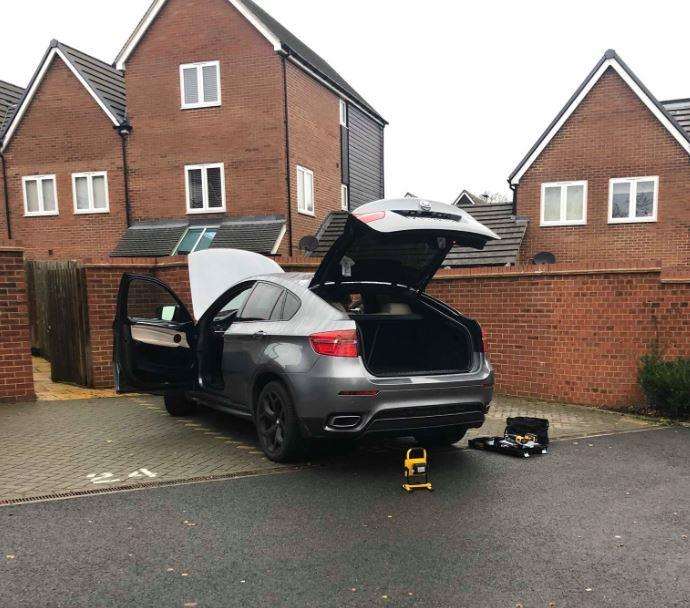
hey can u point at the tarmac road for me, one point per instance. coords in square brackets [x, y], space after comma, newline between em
[597, 522]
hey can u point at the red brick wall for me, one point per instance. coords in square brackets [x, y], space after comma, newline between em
[572, 335]
[611, 134]
[246, 132]
[16, 376]
[64, 131]
[314, 121]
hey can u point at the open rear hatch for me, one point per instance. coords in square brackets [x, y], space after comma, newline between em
[400, 242]
[388, 253]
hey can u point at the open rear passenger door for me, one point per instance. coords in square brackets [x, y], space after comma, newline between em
[154, 338]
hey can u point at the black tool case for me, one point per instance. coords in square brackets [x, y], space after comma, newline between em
[522, 425]
[506, 445]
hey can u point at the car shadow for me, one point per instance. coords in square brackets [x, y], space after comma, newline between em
[371, 454]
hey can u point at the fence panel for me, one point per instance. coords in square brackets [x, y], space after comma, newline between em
[59, 318]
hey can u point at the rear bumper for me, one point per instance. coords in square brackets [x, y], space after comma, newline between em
[399, 407]
[402, 421]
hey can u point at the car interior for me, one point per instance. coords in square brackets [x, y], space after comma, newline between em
[402, 336]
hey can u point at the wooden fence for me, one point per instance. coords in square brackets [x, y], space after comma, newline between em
[59, 318]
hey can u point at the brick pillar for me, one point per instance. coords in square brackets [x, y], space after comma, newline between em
[16, 374]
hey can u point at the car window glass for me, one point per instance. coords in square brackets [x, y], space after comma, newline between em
[150, 301]
[291, 306]
[277, 314]
[261, 302]
[234, 304]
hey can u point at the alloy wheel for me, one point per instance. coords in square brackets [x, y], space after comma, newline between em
[272, 421]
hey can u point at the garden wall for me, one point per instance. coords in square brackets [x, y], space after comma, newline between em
[16, 377]
[573, 333]
[559, 333]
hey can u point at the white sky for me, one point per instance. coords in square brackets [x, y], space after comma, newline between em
[467, 87]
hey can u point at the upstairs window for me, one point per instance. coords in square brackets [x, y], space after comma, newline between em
[90, 192]
[200, 84]
[40, 195]
[343, 113]
[305, 191]
[633, 199]
[564, 204]
[205, 188]
[196, 239]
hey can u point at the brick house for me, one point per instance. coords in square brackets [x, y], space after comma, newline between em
[608, 179]
[232, 135]
[63, 158]
[10, 95]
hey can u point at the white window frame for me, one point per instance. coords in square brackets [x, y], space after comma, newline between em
[200, 85]
[204, 230]
[204, 185]
[564, 189]
[343, 113]
[344, 197]
[633, 181]
[301, 204]
[89, 176]
[41, 212]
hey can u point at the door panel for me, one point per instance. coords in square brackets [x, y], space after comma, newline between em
[159, 336]
[245, 341]
[154, 338]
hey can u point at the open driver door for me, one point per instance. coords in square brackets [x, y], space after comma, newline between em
[154, 339]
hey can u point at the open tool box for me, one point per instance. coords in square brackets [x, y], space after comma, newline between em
[523, 437]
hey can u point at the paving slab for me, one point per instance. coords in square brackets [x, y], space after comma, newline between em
[60, 447]
[74, 446]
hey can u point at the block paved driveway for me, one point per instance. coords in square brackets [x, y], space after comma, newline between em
[63, 447]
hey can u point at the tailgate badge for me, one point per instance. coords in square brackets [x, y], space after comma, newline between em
[425, 205]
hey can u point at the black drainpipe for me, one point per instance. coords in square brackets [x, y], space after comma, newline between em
[288, 170]
[125, 130]
[7, 195]
[514, 188]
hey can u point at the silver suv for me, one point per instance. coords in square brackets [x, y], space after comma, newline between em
[358, 348]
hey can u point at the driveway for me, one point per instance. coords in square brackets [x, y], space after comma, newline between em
[62, 448]
[597, 523]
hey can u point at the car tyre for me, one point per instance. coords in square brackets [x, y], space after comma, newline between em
[277, 425]
[177, 404]
[440, 438]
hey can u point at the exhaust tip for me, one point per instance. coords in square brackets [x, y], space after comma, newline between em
[344, 422]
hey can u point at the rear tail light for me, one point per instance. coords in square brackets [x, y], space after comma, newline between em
[336, 343]
[367, 218]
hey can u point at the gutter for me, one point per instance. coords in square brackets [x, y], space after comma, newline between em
[8, 219]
